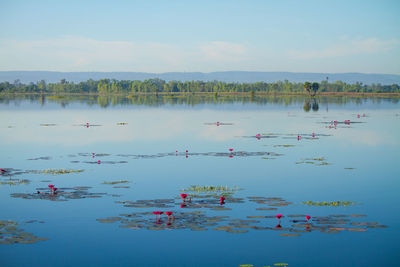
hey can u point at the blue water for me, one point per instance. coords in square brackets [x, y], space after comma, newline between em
[371, 148]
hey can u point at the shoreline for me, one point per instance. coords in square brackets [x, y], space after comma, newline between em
[212, 94]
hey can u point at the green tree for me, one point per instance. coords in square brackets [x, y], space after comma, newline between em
[307, 86]
[314, 88]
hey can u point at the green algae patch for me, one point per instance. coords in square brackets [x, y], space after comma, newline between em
[116, 182]
[330, 204]
[55, 171]
[15, 182]
[212, 188]
[290, 235]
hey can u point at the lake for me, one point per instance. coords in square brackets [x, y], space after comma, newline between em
[115, 161]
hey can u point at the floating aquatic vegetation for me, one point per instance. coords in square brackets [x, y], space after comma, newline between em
[218, 123]
[33, 221]
[284, 145]
[62, 194]
[290, 225]
[347, 122]
[290, 235]
[272, 202]
[55, 171]
[308, 136]
[14, 181]
[349, 168]
[104, 162]
[205, 154]
[93, 154]
[120, 186]
[88, 125]
[155, 203]
[275, 264]
[48, 124]
[211, 188]
[267, 158]
[116, 182]
[317, 161]
[11, 234]
[41, 158]
[122, 123]
[331, 204]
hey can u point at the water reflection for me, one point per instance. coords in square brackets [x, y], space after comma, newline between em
[311, 103]
[190, 100]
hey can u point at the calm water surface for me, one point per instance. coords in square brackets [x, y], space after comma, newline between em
[358, 162]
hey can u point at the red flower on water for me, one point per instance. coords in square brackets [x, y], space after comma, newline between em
[157, 213]
[279, 216]
[2, 170]
[230, 149]
[183, 196]
[51, 186]
[183, 205]
[98, 162]
[308, 217]
[169, 213]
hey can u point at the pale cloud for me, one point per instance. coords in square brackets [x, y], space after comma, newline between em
[74, 53]
[346, 48]
[79, 53]
[224, 51]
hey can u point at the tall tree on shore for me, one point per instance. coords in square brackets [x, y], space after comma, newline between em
[307, 87]
[314, 88]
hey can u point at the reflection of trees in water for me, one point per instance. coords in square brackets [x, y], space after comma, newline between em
[192, 100]
[311, 103]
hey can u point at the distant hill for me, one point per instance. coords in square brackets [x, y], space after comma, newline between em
[226, 76]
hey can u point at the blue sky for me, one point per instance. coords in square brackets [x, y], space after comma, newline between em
[162, 36]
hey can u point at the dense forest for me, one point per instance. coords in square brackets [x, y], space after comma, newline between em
[107, 86]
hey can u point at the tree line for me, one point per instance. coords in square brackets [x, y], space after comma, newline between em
[112, 86]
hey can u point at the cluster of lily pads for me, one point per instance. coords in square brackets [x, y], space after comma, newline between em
[198, 220]
[297, 136]
[11, 234]
[59, 194]
[274, 264]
